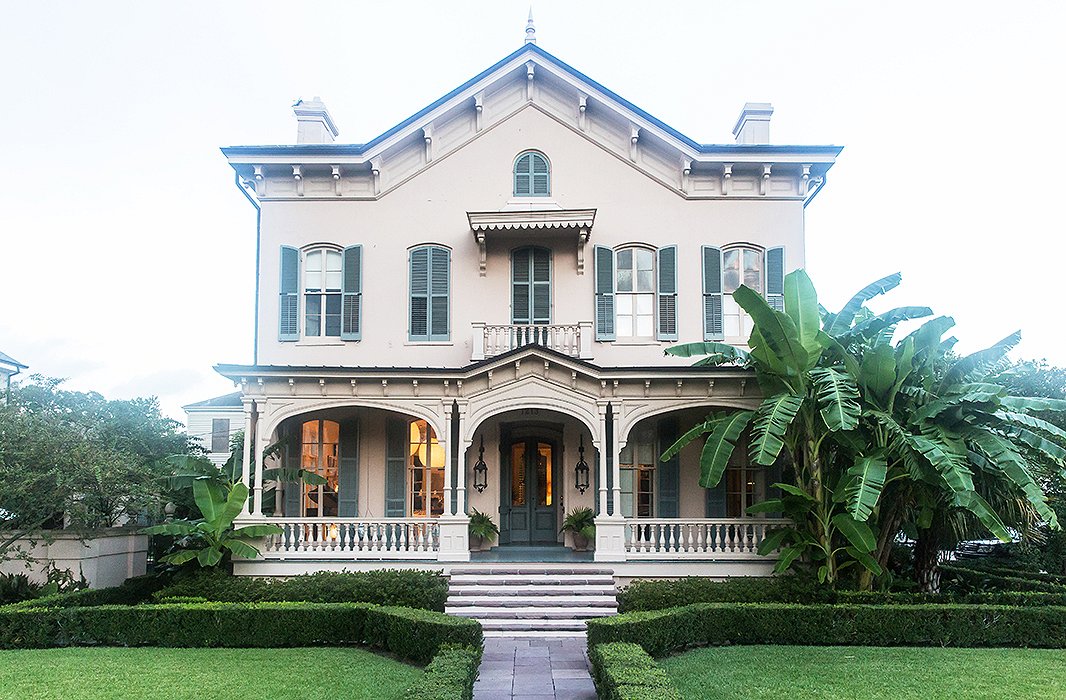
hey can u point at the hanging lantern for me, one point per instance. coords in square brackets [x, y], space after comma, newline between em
[581, 471]
[481, 470]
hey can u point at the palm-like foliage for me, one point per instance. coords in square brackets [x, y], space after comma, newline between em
[880, 434]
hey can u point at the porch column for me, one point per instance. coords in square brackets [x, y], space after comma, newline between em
[449, 490]
[601, 439]
[461, 466]
[454, 533]
[246, 457]
[260, 448]
[616, 468]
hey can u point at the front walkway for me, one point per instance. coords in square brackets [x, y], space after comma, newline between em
[536, 668]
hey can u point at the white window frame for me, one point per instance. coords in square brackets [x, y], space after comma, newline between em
[630, 499]
[634, 295]
[732, 315]
[320, 468]
[325, 250]
[427, 473]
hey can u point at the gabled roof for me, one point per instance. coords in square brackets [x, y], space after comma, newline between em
[8, 360]
[226, 401]
[539, 56]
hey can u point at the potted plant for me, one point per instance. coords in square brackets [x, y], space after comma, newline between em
[580, 522]
[482, 529]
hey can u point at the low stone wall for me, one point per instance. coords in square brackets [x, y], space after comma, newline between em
[105, 557]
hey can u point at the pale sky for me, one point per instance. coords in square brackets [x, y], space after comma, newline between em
[127, 253]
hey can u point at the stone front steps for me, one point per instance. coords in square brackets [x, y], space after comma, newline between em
[531, 601]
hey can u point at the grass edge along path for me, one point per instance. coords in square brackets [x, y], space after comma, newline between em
[154, 673]
[868, 673]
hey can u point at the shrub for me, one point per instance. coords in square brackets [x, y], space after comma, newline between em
[986, 598]
[131, 592]
[624, 671]
[412, 589]
[415, 635]
[962, 579]
[663, 631]
[657, 595]
[449, 676]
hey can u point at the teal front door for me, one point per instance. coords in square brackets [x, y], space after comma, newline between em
[528, 499]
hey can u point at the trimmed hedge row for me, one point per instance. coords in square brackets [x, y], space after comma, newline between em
[415, 635]
[450, 676]
[131, 592]
[624, 671]
[968, 579]
[660, 595]
[410, 589]
[664, 631]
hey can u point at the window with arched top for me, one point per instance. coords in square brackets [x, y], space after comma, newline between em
[532, 175]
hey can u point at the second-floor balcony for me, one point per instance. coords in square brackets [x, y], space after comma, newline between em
[573, 339]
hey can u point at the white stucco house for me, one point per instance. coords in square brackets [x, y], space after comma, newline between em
[469, 311]
[212, 422]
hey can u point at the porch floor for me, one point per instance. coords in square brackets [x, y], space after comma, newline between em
[520, 553]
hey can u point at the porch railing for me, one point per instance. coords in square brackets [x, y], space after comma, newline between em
[704, 538]
[574, 339]
[350, 538]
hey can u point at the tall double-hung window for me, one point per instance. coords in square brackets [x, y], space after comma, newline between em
[724, 271]
[531, 286]
[430, 272]
[532, 175]
[320, 293]
[636, 293]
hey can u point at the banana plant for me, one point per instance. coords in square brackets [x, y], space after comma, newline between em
[210, 538]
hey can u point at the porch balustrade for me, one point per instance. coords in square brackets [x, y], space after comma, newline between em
[350, 538]
[574, 339]
[704, 538]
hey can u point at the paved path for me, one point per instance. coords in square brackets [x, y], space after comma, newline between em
[535, 668]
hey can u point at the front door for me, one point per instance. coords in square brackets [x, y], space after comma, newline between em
[529, 497]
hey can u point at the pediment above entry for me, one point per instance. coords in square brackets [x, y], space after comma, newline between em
[502, 224]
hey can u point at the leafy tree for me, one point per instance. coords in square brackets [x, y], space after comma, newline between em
[879, 435]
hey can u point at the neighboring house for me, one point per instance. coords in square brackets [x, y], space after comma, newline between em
[470, 310]
[9, 367]
[213, 422]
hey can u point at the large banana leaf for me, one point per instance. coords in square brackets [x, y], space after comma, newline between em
[231, 508]
[960, 394]
[982, 361]
[1032, 403]
[801, 305]
[857, 533]
[240, 548]
[1013, 466]
[711, 353]
[720, 445]
[207, 499]
[879, 371]
[927, 336]
[690, 435]
[838, 398]
[841, 322]
[973, 502]
[1033, 422]
[945, 459]
[1039, 443]
[867, 480]
[776, 328]
[772, 420]
[886, 321]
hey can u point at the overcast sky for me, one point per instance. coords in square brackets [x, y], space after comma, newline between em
[128, 253]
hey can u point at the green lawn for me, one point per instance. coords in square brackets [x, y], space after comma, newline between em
[866, 673]
[109, 673]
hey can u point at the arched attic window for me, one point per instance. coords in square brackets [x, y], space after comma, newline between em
[532, 175]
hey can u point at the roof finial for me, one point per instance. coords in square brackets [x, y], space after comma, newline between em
[531, 31]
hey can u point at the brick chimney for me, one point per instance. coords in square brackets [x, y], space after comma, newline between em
[313, 123]
[753, 126]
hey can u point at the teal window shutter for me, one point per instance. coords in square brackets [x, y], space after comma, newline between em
[419, 321]
[352, 293]
[348, 470]
[604, 258]
[531, 285]
[440, 291]
[713, 325]
[289, 295]
[293, 496]
[667, 293]
[669, 471]
[775, 278]
[395, 467]
[532, 175]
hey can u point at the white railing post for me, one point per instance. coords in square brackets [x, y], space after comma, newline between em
[477, 342]
[584, 337]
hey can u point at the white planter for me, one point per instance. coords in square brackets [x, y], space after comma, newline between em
[105, 557]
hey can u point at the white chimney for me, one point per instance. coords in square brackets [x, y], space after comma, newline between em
[313, 123]
[753, 126]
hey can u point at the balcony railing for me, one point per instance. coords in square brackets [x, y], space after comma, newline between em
[350, 538]
[705, 538]
[574, 339]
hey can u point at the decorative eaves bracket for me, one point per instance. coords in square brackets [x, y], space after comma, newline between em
[579, 220]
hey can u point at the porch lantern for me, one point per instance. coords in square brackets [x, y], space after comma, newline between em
[581, 471]
[481, 470]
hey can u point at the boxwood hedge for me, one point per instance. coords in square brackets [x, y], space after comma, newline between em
[664, 631]
[415, 635]
[624, 671]
[450, 676]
